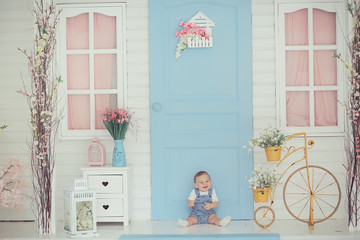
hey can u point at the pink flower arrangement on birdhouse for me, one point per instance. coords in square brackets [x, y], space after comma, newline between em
[189, 31]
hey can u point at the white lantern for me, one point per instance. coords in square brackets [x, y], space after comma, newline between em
[80, 210]
[96, 155]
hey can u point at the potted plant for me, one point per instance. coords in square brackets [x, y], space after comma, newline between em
[271, 139]
[117, 122]
[261, 183]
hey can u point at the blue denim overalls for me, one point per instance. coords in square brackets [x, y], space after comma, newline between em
[198, 210]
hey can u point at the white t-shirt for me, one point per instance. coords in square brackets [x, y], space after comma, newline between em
[214, 197]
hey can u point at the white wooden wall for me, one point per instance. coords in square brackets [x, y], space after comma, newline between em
[328, 152]
[72, 154]
[16, 30]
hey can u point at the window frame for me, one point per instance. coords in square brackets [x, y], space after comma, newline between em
[285, 6]
[109, 9]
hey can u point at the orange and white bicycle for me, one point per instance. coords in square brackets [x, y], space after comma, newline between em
[311, 193]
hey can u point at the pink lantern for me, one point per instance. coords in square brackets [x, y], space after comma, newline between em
[96, 155]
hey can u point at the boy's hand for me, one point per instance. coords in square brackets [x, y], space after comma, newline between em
[191, 203]
[208, 206]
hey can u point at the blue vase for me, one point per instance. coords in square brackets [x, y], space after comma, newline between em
[119, 159]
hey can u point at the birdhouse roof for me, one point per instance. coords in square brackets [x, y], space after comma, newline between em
[202, 19]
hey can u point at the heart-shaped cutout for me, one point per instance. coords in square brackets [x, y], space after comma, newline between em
[105, 183]
[105, 207]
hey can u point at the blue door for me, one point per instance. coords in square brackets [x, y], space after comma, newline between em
[201, 107]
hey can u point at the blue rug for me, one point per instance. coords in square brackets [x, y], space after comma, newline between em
[244, 236]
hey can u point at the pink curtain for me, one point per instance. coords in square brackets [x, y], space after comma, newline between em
[105, 71]
[324, 27]
[325, 70]
[297, 69]
[77, 32]
[78, 112]
[326, 108]
[296, 28]
[78, 74]
[297, 109]
[104, 31]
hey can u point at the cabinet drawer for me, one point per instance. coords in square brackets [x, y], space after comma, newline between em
[106, 183]
[112, 207]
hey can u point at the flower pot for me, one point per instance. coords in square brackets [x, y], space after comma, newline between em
[261, 195]
[119, 159]
[273, 153]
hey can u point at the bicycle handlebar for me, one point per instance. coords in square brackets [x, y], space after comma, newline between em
[294, 135]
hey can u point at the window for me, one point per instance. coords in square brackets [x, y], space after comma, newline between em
[92, 64]
[309, 78]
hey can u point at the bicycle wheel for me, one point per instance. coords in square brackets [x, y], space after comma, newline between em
[264, 216]
[325, 190]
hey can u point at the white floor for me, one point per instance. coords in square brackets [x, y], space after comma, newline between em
[288, 230]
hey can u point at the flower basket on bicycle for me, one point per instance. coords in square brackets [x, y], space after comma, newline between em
[273, 153]
[261, 195]
[271, 140]
[261, 183]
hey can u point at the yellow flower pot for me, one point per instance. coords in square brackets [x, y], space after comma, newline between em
[273, 153]
[261, 195]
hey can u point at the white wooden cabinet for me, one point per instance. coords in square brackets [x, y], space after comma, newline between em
[112, 192]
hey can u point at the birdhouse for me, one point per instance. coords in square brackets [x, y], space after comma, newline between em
[206, 23]
[96, 155]
[80, 210]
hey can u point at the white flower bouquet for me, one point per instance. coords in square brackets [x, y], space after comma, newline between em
[263, 178]
[271, 137]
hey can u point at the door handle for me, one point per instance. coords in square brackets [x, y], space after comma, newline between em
[156, 107]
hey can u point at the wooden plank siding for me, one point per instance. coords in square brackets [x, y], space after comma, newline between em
[328, 152]
[16, 30]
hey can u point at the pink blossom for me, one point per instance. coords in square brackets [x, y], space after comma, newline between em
[182, 23]
[11, 184]
[207, 37]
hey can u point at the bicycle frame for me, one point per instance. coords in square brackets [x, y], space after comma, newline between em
[289, 151]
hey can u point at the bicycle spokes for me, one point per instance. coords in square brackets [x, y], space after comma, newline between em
[264, 216]
[314, 188]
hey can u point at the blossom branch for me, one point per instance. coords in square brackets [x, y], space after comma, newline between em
[42, 101]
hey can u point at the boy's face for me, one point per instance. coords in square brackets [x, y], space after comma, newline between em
[203, 182]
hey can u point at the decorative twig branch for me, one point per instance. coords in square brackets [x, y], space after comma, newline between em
[44, 115]
[352, 130]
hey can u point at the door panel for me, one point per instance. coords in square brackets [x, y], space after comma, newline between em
[201, 107]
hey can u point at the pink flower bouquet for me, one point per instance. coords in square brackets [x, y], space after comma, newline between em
[189, 31]
[117, 122]
[12, 183]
